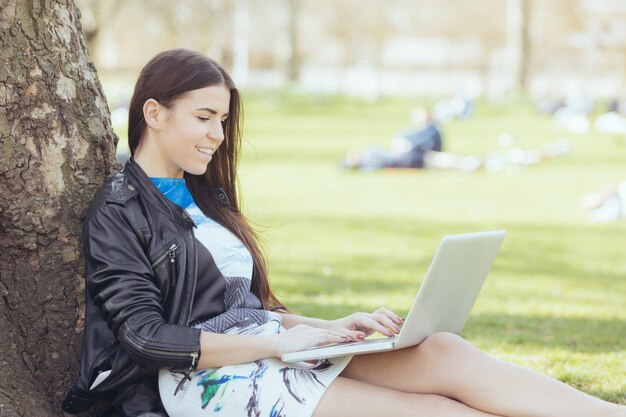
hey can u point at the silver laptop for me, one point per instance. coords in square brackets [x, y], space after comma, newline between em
[444, 300]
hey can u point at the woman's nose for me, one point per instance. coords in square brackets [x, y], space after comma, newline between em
[216, 132]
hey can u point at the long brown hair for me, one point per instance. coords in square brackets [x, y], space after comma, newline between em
[166, 78]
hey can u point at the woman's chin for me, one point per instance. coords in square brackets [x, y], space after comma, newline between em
[197, 170]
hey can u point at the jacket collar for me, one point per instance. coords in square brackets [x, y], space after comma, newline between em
[139, 180]
[144, 186]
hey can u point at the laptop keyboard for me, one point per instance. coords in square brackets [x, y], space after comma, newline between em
[362, 342]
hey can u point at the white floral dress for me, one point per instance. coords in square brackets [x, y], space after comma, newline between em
[267, 387]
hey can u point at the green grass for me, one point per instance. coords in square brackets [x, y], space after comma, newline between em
[341, 241]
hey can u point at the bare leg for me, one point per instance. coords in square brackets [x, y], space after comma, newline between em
[445, 364]
[348, 397]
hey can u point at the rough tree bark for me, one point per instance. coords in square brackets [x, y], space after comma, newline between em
[57, 146]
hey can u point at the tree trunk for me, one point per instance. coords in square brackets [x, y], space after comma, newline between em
[241, 42]
[293, 60]
[57, 148]
[518, 15]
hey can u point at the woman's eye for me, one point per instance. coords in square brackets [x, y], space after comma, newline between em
[204, 119]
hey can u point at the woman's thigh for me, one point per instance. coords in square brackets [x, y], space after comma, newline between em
[429, 368]
[347, 397]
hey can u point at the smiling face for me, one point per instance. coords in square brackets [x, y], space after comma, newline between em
[184, 136]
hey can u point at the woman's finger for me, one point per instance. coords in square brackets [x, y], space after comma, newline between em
[332, 338]
[305, 338]
[369, 322]
[356, 335]
[393, 316]
[387, 322]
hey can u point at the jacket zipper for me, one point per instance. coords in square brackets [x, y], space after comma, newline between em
[194, 355]
[187, 375]
[172, 252]
[159, 353]
[194, 276]
[169, 252]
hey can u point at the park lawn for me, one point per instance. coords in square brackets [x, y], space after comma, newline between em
[339, 242]
[342, 241]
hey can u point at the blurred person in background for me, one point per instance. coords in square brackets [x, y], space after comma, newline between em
[607, 204]
[412, 148]
[457, 106]
[574, 116]
[421, 147]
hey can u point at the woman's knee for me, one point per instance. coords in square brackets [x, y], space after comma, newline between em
[445, 346]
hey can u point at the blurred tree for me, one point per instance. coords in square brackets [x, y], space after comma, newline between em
[96, 14]
[517, 24]
[553, 23]
[241, 42]
[584, 38]
[579, 39]
[356, 29]
[57, 147]
[362, 29]
[293, 59]
[116, 38]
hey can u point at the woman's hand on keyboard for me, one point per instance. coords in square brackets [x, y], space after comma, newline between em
[303, 336]
[360, 325]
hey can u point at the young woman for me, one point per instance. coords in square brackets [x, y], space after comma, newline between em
[177, 287]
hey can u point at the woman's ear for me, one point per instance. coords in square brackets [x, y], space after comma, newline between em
[153, 113]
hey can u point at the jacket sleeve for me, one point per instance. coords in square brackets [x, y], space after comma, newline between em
[120, 278]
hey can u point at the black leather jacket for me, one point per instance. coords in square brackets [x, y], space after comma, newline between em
[140, 271]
